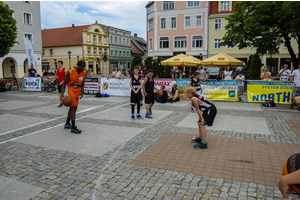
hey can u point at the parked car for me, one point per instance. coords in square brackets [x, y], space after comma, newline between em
[215, 73]
[243, 69]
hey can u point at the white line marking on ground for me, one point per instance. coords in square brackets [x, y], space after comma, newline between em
[60, 124]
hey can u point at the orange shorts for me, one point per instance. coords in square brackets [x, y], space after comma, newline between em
[74, 94]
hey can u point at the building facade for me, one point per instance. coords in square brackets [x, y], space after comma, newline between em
[175, 27]
[138, 46]
[218, 11]
[88, 43]
[119, 45]
[27, 15]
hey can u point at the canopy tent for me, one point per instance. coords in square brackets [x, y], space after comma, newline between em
[181, 60]
[221, 59]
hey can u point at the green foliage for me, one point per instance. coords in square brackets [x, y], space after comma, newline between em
[136, 61]
[148, 62]
[158, 70]
[8, 29]
[264, 25]
[254, 69]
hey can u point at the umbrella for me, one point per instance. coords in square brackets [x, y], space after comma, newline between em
[181, 60]
[221, 59]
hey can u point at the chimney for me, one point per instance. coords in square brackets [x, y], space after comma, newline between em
[73, 26]
[135, 35]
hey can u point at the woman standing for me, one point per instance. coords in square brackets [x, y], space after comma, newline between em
[227, 74]
[196, 83]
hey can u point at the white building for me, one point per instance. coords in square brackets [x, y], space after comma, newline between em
[27, 15]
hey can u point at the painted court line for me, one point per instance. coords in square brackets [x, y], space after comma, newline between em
[60, 124]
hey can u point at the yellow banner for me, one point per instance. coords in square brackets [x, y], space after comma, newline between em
[224, 90]
[278, 91]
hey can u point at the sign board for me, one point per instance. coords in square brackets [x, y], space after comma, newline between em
[32, 84]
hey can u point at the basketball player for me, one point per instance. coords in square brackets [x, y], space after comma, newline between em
[74, 81]
[206, 119]
[148, 87]
[61, 74]
[195, 82]
[136, 94]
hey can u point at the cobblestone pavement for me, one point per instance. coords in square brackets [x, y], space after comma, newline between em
[115, 174]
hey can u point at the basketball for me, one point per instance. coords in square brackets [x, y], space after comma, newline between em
[290, 165]
[67, 101]
[159, 93]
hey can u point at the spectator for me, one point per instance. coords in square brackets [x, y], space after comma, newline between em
[32, 72]
[16, 82]
[207, 76]
[109, 75]
[233, 73]
[265, 75]
[227, 74]
[123, 73]
[49, 72]
[116, 73]
[285, 73]
[295, 78]
[173, 96]
[88, 74]
[240, 78]
[164, 98]
[52, 72]
[176, 74]
[202, 72]
[144, 72]
[140, 70]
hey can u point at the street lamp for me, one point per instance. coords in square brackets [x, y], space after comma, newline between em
[104, 57]
[200, 56]
[77, 58]
[69, 53]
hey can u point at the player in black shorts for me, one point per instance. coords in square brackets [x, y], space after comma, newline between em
[206, 119]
[136, 94]
[148, 87]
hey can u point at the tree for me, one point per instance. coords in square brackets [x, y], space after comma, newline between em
[8, 29]
[254, 69]
[148, 62]
[137, 60]
[264, 25]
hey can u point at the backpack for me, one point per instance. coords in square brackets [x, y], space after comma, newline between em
[269, 103]
[98, 95]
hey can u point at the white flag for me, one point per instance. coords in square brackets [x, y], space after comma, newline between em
[30, 53]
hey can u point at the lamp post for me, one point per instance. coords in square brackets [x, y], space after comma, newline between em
[104, 57]
[77, 58]
[104, 69]
[69, 53]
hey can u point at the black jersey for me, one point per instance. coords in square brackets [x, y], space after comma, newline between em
[196, 84]
[206, 104]
[136, 82]
[149, 86]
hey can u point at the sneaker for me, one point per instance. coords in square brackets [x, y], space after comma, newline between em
[292, 106]
[196, 140]
[132, 117]
[75, 130]
[67, 126]
[148, 116]
[138, 116]
[60, 105]
[200, 146]
[171, 101]
[150, 111]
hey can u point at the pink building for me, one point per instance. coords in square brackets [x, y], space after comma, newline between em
[175, 27]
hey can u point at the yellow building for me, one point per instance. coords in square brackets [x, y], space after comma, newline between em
[219, 10]
[88, 43]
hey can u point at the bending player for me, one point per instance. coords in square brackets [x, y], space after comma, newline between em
[136, 94]
[74, 81]
[196, 83]
[206, 119]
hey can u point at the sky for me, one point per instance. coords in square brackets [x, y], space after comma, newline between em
[127, 15]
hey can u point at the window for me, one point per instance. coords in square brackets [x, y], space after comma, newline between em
[120, 53]
[91, 66]
[197, 41]
[164, 43]
[94, 38]
[127, 41]
[116, 40]
[199, 20]
[163, 23]
[218, 24]
[45, 65]
[224, 5]
[97, 30]
[99, 39]
[112, 53]
[104, 50]
[119, 40]
[29, 36]
[217, 43]
[116, 53]
[12, 67]
[150, 24]
[127, 53]
[150, 9]
[43, 52]
[173, 24]
[100, 51]
[55, 65]
[89, 51]
[27, 18]
[193, 3]
[180, 42]
[168, 5]
[229, 47]
[123, 41]
[124, 53]
[187, 21]
[111, 39]
[150, 44]
[51, 52]
[95, 51]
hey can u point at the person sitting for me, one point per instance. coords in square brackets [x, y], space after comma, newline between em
[16, 82]
[164, 98]
[173, 96]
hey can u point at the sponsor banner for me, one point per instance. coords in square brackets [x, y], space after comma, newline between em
[32, 84]
[182, 84]
[278, 91]
[116, 87]
[91, 85]
[29, 52]
[167, 82]
[223, 90]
